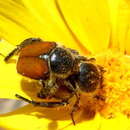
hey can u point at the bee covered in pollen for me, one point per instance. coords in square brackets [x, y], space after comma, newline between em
[56, 66]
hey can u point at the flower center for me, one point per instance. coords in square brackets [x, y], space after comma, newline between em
[116, 82]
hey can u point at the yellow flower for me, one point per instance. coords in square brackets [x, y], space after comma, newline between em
[97, 27]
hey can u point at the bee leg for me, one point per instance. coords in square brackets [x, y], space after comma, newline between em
[42, 104]
[74, 109]
[10, 54]
[75, 106]
[20, 46]
[92, 59]
[71, 88]
[48, 89]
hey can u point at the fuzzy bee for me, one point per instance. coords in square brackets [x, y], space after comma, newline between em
[56, 66]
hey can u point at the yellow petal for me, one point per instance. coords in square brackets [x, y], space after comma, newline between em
[113, 10]
[10, 27]
[123, 26]
[36, 118]
[120, 22]
[85, 20]
[15, 28]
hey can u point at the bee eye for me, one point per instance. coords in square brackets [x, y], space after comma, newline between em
[89, 77]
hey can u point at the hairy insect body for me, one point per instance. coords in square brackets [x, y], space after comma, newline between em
[63, 72]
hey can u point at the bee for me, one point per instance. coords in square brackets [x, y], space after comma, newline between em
[55, 66]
